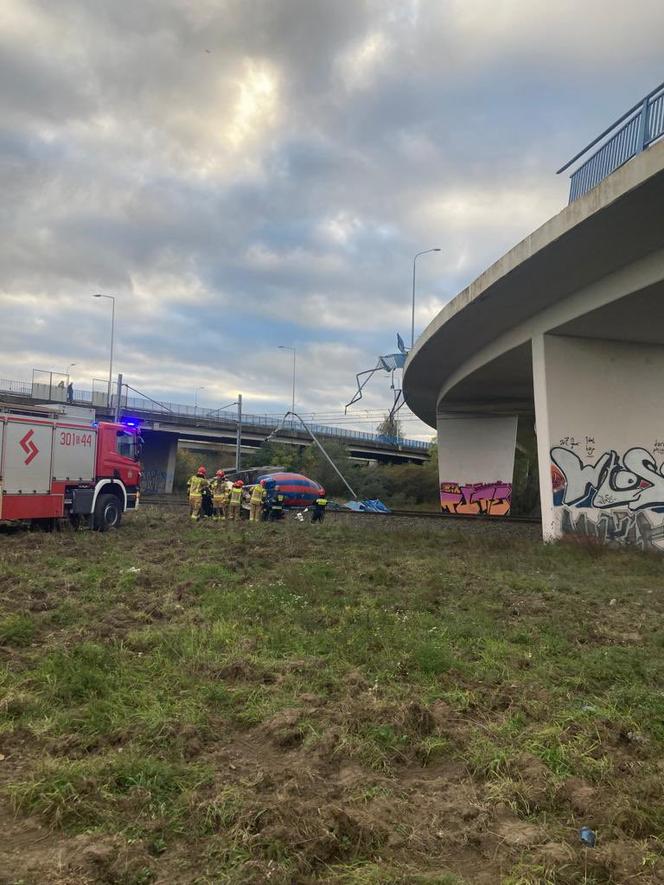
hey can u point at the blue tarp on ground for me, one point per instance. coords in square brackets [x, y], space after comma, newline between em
[368, 506]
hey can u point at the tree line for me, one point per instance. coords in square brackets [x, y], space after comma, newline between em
[395, 484]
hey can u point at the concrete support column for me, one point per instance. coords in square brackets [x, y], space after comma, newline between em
[600, 439]
[159, 453]
[475, 463]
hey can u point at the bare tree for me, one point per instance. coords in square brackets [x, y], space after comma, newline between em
[389, 426]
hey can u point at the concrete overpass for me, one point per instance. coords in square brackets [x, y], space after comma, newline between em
[165, 426]
[163, 433]
[566, 330]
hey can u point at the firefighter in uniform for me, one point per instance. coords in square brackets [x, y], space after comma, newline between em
[256, 501]
[218, 486]
[228, 486]
[235, 504]
[277, 500]
[320, 504]
[195, 487]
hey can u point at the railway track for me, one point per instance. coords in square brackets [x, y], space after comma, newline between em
[177, 501]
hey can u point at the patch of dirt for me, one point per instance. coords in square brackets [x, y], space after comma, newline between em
[241, 670]
[626, 862]
[534, 779]
[581, 796]
[517, 834]
[419, 719]
[284, 728]
[34, 855]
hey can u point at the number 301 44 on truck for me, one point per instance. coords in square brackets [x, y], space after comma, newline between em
[56, 468]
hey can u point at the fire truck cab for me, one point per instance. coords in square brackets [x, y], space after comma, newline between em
[56, 466]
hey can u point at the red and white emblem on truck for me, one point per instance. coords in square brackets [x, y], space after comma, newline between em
[29, 447]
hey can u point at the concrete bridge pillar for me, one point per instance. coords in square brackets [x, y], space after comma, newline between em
[600, 439]
[475, 463]
[159, 452]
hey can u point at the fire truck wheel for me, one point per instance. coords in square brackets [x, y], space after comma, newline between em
[107, 513]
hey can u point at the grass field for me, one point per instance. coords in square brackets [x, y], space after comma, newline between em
[362, 702]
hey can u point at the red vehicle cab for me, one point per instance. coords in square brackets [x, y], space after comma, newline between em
[56, 468]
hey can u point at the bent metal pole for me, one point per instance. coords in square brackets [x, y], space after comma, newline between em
[314, 438]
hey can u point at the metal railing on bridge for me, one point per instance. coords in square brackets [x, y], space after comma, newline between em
[46, 389]
[638, 128]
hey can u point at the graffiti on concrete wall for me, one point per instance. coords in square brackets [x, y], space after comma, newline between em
[613, 498]
[632, 480]
[618, 527]
[474, 499]
[153, 480]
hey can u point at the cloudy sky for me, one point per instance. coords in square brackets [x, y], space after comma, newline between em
[242, 174]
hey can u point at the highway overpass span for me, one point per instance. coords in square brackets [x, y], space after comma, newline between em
[164, 427]
[566, 330]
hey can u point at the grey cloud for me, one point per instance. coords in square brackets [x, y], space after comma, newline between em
[279, 184]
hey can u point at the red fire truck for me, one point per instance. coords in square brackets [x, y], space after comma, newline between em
[56, 466]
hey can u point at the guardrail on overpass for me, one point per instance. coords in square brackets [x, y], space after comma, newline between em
[638, 128]
[93, 399]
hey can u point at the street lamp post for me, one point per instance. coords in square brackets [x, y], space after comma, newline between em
[110, 364]
[238, 438]
[238, 435]
[412, 323]
[202, 387]
[294, 352]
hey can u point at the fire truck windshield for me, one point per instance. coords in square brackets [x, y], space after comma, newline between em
[127, 444]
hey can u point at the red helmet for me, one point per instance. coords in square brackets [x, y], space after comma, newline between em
[262, 482]
[201, 471]
[238, 483]
[220, 473]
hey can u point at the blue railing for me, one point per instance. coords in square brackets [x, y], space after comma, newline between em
[639, 127]
[139, 404]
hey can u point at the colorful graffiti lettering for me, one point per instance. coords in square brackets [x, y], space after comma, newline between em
[474, 499]
[618, 528]
[633, 480]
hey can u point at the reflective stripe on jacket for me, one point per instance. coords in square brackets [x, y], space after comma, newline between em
[197, 484]
[257, 494]
[236, 495]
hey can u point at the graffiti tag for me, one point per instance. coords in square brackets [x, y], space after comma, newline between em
[633, 480]
[473, 499]
[616, 528]
[153, 480]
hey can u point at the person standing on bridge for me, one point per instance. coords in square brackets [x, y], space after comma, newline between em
[196, 485]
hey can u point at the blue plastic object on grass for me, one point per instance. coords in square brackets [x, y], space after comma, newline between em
[369, 505]
[587, 836]
[376, 506]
